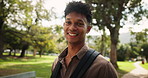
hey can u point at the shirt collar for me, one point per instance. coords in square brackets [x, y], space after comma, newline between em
[82, 51]
[79, 54]
[63, 54]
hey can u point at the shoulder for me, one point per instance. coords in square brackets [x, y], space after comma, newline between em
[101, 60]
[54, 63]
[103, 68]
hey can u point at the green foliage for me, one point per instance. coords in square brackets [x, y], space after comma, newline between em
[139, 43]
[59, 38]
[121, 53]
[21, 26]
[144, 52]
[127, 51]
[145, 49]
[13, 39]
[140, 37]
[96, 43]
[134, 50]
[110, 13]
[43, 40]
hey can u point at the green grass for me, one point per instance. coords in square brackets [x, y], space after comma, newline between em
[124, 67]
[145, 65]
[42, 66]
[13, 65]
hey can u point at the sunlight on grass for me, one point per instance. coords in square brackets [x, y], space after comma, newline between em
[125, 67]
[42, 65]
[145, 65]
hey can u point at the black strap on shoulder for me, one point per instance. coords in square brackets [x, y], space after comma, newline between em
[84, 63]
[82, 66]
[56, 70]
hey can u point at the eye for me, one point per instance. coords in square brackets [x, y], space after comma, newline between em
[67, 23]
[80, 24]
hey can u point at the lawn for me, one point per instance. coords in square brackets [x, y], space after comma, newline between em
[145, 65]
[13, 65]
[124, 67]
[42, 66]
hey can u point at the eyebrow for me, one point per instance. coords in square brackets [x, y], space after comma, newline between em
[67, 18]
[79, 20]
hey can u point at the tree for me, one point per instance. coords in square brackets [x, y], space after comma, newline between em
[97, 43]
[110, 13]
[20, 16]
[60, 40]
[104, 41]
[144, 49]
[140, 39]
[124, 52]
[43, 40]
[121, 54]
[5, 10]
[12, 39]
[135, 49]
[40, 38]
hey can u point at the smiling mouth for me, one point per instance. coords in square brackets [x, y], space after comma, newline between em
[73, 34]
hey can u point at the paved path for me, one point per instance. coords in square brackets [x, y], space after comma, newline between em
[138, 72]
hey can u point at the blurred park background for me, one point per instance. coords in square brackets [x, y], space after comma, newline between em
[31, 34]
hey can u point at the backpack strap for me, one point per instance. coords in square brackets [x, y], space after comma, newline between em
[82, 66]
[56, 70]
[85, 63]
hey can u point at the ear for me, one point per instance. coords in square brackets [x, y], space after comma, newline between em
[64, 24]
[88, 28]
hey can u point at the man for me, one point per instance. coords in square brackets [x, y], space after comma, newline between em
[76, 26]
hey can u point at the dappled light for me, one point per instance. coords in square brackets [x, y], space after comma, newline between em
[32, 35]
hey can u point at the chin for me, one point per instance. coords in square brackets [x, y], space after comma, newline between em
[72, 42]
[75, 42]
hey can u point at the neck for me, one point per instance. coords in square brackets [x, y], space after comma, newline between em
[74, 48]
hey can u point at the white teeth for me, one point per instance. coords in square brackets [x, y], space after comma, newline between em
[72, 34]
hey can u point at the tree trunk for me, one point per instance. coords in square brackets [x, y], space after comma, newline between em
[1, 29]
[114, 33]
[146, 59]
[14, 53]
[25, 47]
[23, 53]
[40, 53]
[10, 52]
[113, 56]
[1, 47]
[1, 37]
[1, 42]
[34, 53]
[103, 43]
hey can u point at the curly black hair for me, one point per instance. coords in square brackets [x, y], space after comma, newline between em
[79, 7]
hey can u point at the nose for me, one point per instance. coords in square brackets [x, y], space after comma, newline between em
[73, 27]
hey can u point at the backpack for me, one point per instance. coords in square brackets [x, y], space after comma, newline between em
[82, 66]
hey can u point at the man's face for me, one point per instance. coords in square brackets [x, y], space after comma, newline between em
[75, 28]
